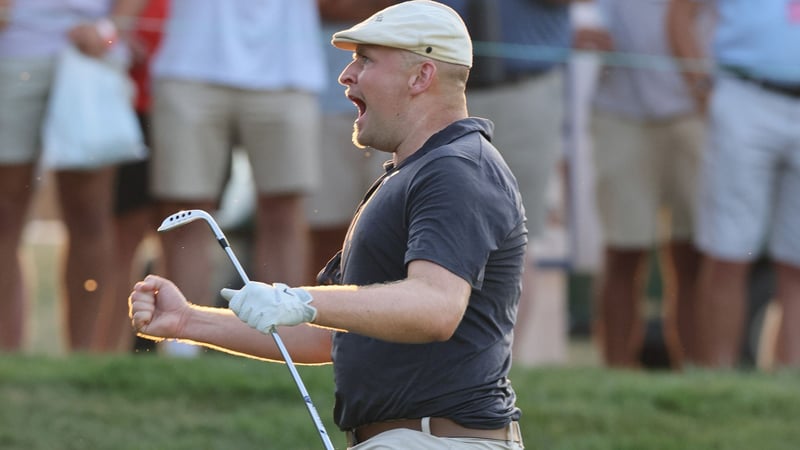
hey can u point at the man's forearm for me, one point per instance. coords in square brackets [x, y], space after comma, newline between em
[220, 329]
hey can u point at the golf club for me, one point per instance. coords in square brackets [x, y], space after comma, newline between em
[181, 218]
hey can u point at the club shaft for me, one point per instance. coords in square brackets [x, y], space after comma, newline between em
[236, 264]
[312, 411]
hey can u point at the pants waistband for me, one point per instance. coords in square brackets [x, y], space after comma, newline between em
[435, 426]
[791, 90]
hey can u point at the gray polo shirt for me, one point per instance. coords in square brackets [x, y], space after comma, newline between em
[455, 203]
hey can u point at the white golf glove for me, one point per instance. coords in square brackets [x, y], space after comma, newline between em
[264, 306]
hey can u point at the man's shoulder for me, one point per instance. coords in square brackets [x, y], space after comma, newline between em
[464, 130]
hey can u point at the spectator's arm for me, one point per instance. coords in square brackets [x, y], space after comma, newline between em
[95, 38]
[594, 39]
[682, 19]
[592, 35]
[125, 13]
[351, 10]
[5, 12]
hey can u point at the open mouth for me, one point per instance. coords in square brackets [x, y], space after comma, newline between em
[360, 104]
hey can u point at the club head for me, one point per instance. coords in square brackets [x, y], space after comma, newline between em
[181, 218]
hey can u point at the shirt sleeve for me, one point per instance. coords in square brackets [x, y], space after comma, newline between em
[457, 216]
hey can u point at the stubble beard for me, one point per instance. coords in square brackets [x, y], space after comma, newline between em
[355, 139]
[376, 137]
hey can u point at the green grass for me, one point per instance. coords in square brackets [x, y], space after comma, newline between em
[224, 402]
[146, 402]
[52, 402]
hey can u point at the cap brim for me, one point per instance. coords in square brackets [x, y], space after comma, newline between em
[345, 44]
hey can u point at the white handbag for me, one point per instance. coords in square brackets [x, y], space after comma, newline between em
[90, 120]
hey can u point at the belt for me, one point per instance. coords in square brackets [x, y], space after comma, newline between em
[507, 79]
[437, 426]
[791, 90]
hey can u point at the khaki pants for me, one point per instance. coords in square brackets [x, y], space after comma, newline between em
[403, 438]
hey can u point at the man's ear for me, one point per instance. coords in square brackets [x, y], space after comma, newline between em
[422, 78]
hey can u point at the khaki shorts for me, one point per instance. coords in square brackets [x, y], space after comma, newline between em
[646, 178]
[528, 118]
[24, 88]
[347, 173]
[195, 126]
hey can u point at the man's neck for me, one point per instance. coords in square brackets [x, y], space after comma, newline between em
[423, 127]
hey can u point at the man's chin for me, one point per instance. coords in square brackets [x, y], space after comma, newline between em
[357, 138]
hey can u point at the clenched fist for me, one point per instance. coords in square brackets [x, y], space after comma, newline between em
[157, 308]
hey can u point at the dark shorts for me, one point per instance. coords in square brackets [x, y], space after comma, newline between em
[132, 188]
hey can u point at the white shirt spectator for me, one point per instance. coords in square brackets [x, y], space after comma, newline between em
[249, 44]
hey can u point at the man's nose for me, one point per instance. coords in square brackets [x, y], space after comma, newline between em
[347, 77]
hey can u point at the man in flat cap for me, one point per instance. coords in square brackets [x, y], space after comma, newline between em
[417, 311]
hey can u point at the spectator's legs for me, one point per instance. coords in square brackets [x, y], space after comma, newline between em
[788, 293]
[86, 209]
[721, 307]
[115, 333]
[15, 194]
[282, 241]
[679, 275]
[619, 326]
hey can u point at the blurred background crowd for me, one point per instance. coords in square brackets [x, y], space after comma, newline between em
[655, 144]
